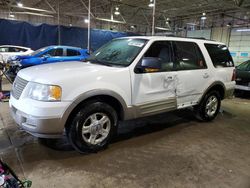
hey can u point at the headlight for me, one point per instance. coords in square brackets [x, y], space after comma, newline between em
[42, 92]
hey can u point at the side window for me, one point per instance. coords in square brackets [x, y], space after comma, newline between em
[55, 52]
[163, 51]
[4, 49]
[188, 56]
[21, 49]
[219, 55]
[14, 49]
[71, 52]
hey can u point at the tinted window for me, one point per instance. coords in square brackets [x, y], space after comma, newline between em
[188, 56]
[219, 55]
[55, 52]
[71, 52]
[16, 49]
[163, 51]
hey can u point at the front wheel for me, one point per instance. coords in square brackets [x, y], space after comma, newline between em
[209, 107]
[92, 127]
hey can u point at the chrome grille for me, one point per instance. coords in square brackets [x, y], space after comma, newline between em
[18, 87]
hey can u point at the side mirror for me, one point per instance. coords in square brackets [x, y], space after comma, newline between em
[148, 64]
[45, 57]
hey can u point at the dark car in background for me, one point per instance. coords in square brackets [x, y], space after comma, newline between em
[243, 76]
[49, 54]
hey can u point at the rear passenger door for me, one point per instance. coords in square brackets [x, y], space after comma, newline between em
[192, 73]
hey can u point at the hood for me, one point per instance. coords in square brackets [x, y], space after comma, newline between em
[58, 72]
[20, 57]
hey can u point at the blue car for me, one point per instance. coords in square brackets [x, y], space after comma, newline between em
[50, 54]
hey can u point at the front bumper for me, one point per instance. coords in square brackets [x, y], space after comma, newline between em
[43, 124]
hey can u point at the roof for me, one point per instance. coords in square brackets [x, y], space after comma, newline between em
[15, 46]
[62, 46]
[174, 39]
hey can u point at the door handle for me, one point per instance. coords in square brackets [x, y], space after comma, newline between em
[206, 75]
[169, 78]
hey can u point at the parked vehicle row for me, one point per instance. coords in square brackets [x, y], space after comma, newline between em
[125, 79]
[8, 51]
[50, 54]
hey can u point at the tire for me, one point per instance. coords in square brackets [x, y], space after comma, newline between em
[92, 127]
[209, 107]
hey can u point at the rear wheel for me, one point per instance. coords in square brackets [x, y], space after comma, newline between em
[209, 107]
[92, 127]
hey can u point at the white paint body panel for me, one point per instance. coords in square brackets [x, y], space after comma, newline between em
[76, 78]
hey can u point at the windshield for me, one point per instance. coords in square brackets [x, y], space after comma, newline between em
[38, 51]
[119, 52]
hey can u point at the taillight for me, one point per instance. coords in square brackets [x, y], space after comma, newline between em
[234, 75]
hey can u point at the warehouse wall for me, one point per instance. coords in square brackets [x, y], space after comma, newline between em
[221, 34]
[240, 45]
[200, 33]
[238, 42]
[40, 35]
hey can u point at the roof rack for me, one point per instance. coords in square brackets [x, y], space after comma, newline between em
[200, 38]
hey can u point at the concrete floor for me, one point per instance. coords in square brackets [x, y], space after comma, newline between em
[169, 150]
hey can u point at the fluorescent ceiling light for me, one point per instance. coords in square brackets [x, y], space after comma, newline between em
[151, 4]
[162, 28]
[243, 30]
[203, 16]
[109, 20]
[19, 4]
[117, 11]
[12, 16]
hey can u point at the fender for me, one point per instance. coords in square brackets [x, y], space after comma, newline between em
[212, 85]
[127, 111]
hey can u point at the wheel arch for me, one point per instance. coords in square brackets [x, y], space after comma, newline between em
[107, 96]
[217, 86]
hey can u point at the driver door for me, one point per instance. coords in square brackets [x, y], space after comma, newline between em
[154, 91]
[53, 55]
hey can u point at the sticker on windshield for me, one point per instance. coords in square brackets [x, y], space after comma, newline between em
[137, 44]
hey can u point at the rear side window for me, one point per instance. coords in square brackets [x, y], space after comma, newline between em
[55, 52]
[71, 52]
[219, 55]
[188, 56]
[15, 49]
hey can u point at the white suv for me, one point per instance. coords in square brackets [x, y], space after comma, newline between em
[125, 79]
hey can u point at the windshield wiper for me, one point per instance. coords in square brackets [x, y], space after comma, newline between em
[96, 61]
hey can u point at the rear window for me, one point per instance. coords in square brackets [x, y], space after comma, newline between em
[244, 66]
[71, 52]
[219, 55]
